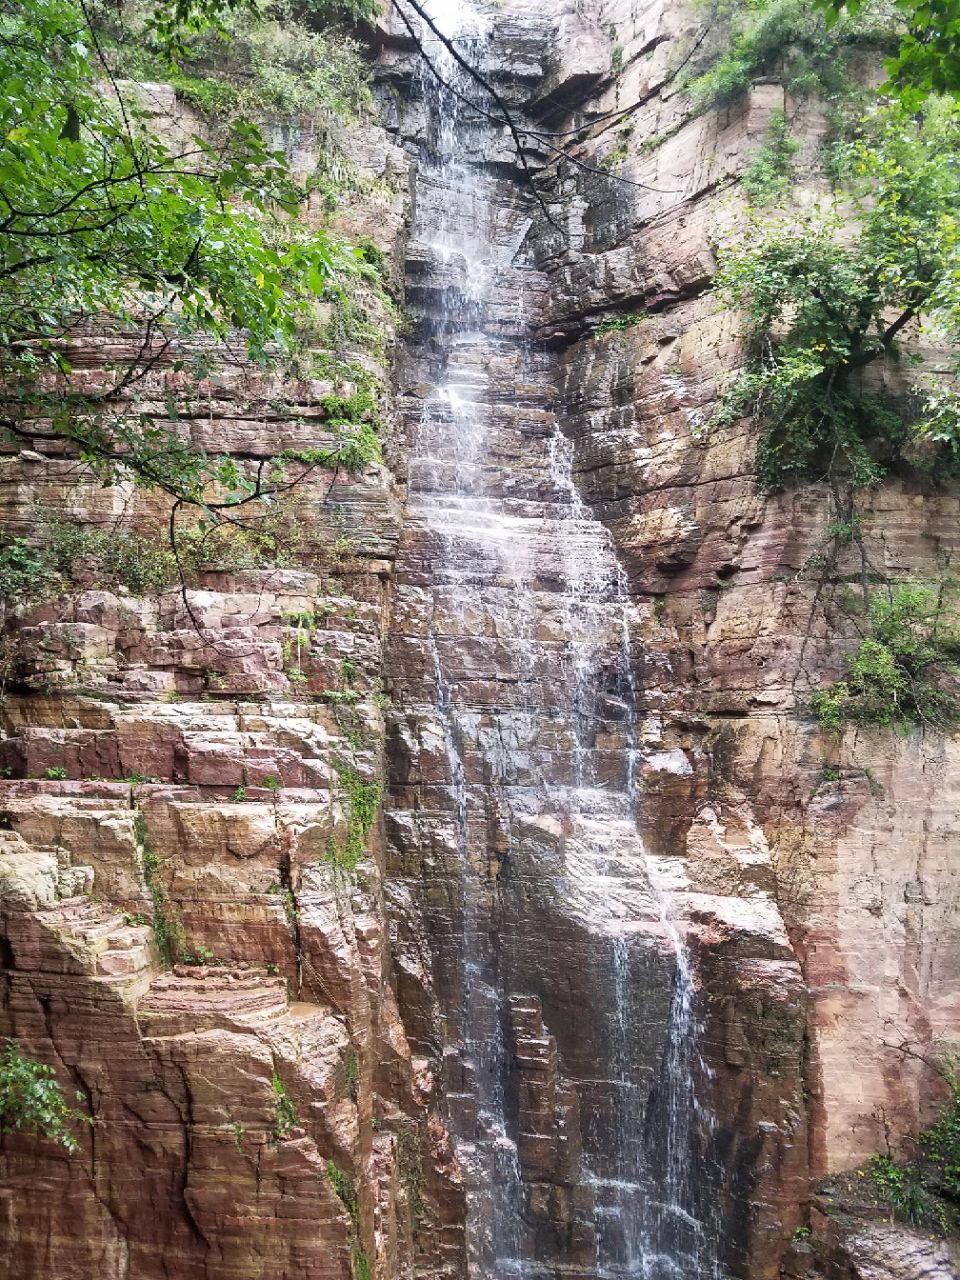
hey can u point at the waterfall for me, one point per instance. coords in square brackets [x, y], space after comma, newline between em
[512, 633]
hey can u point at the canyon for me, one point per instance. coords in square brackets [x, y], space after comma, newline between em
[632, 956]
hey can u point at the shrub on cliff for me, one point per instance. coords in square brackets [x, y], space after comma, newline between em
[32, 1101]
[940, 1144]
[827, 293]
[281, 61]
[791, 40]
[926, 1190]
[904, 672]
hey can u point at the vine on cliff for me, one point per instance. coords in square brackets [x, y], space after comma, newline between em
[168, 929]
[363, 802]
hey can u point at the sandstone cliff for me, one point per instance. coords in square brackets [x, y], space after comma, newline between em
[573, 651]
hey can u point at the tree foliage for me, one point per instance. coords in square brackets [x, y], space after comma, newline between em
[32, 1101]
[173, 27]
[927, 60]
[792, 40]
[178, 247]
[275, 63]
[827, 293]
[940, 1144]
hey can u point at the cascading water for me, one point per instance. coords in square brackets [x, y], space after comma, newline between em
[512, 634]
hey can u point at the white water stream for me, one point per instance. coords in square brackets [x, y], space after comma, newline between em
[524, 595]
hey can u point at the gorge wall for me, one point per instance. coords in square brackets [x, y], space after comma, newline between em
[623, 970]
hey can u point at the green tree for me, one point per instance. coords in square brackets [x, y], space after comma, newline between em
[101, 220]
[824, 294]
[928, 58]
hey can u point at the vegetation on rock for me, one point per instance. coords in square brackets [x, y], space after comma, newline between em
[828, 292]
[768, 178]
[926, 1190]
[32, 1101]
[792, 41]
[904, 672]
[927, 59]
[177, 247]
[363, 802]
[286, 1118]
[276, 61]
[168, 929]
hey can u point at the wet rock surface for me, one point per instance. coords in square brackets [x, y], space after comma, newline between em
[632, 960]
[621, 1039]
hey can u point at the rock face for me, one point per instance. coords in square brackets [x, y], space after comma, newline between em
[181, 776]
[589, 941]
[633, 955]
[847, 1249]
[860, 864]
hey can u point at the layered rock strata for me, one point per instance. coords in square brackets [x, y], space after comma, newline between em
[622, 1040]
[637, 955]
[861, 868]
[181, 778]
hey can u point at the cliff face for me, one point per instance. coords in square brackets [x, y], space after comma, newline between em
[610, 985]
[863, 876]
[853, 840]
[623, 968]
[182, 775]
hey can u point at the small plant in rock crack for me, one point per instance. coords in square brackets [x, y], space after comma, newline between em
[349, 672]
[290, 908]
[167, 927]
[616, 324]
[285, 1113]
[828, 774]
[271, 782]
[32, 1101]
[56, 774]
[343, 1185]
[342, 697]
[363, 800]
[351, 1073]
